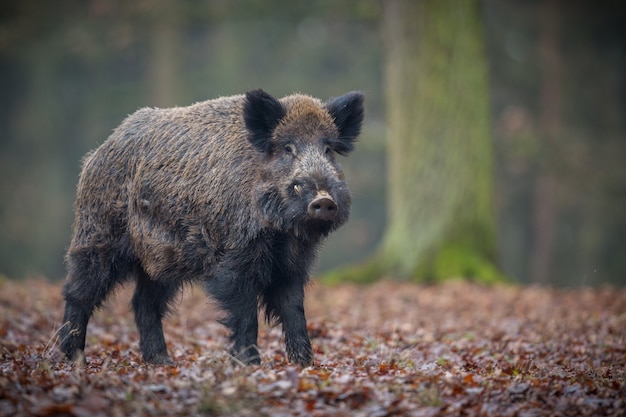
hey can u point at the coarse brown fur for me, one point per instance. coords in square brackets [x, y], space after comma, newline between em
[235, 192]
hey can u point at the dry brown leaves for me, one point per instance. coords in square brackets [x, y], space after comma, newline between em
[385, 350]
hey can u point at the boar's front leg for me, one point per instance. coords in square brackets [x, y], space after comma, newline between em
[285, 302]
[236, 292]
[243, 323]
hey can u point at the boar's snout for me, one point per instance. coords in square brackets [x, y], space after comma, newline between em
[323, 207]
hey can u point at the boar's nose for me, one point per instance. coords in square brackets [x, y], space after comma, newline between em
[322, 207]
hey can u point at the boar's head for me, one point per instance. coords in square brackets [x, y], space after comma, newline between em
[301, 188]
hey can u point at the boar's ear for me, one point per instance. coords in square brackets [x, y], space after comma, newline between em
[347, 111]
[261, 113]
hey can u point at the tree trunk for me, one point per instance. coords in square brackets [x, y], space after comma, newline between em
[441, 220]
[545, 204]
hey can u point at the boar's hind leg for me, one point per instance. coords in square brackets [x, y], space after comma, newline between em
[285, 302]
[91, 277]
[150, 303]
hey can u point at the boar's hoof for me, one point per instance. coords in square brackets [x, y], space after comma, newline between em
[299, 352]
[159, 360]
[77, 358]
[246, 356]
[304, 359]
[323, 207]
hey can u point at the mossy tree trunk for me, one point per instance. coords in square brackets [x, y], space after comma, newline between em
[545, 204]
[441, 220]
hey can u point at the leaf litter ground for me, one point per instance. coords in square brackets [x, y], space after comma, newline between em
[384, 350]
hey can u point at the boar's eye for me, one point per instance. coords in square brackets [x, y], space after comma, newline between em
[327, 150]
[290, 149]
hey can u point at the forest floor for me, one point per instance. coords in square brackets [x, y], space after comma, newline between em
[383, 350]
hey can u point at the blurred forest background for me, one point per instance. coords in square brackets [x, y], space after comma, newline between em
[71, 70]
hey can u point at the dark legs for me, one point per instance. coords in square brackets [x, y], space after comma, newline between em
[244, 335]
[242, 319]
[283, 302]
[296, 336]
[237, 284]
[235, 287]
[74, 327]
[286, 303]
[91, 277]
[150, 304]
[240, 285]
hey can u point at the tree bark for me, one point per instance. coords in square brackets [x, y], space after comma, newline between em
[441, 221]
[545, 204]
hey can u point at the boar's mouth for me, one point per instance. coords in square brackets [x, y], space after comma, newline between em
[314, 227]
[304, 212]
